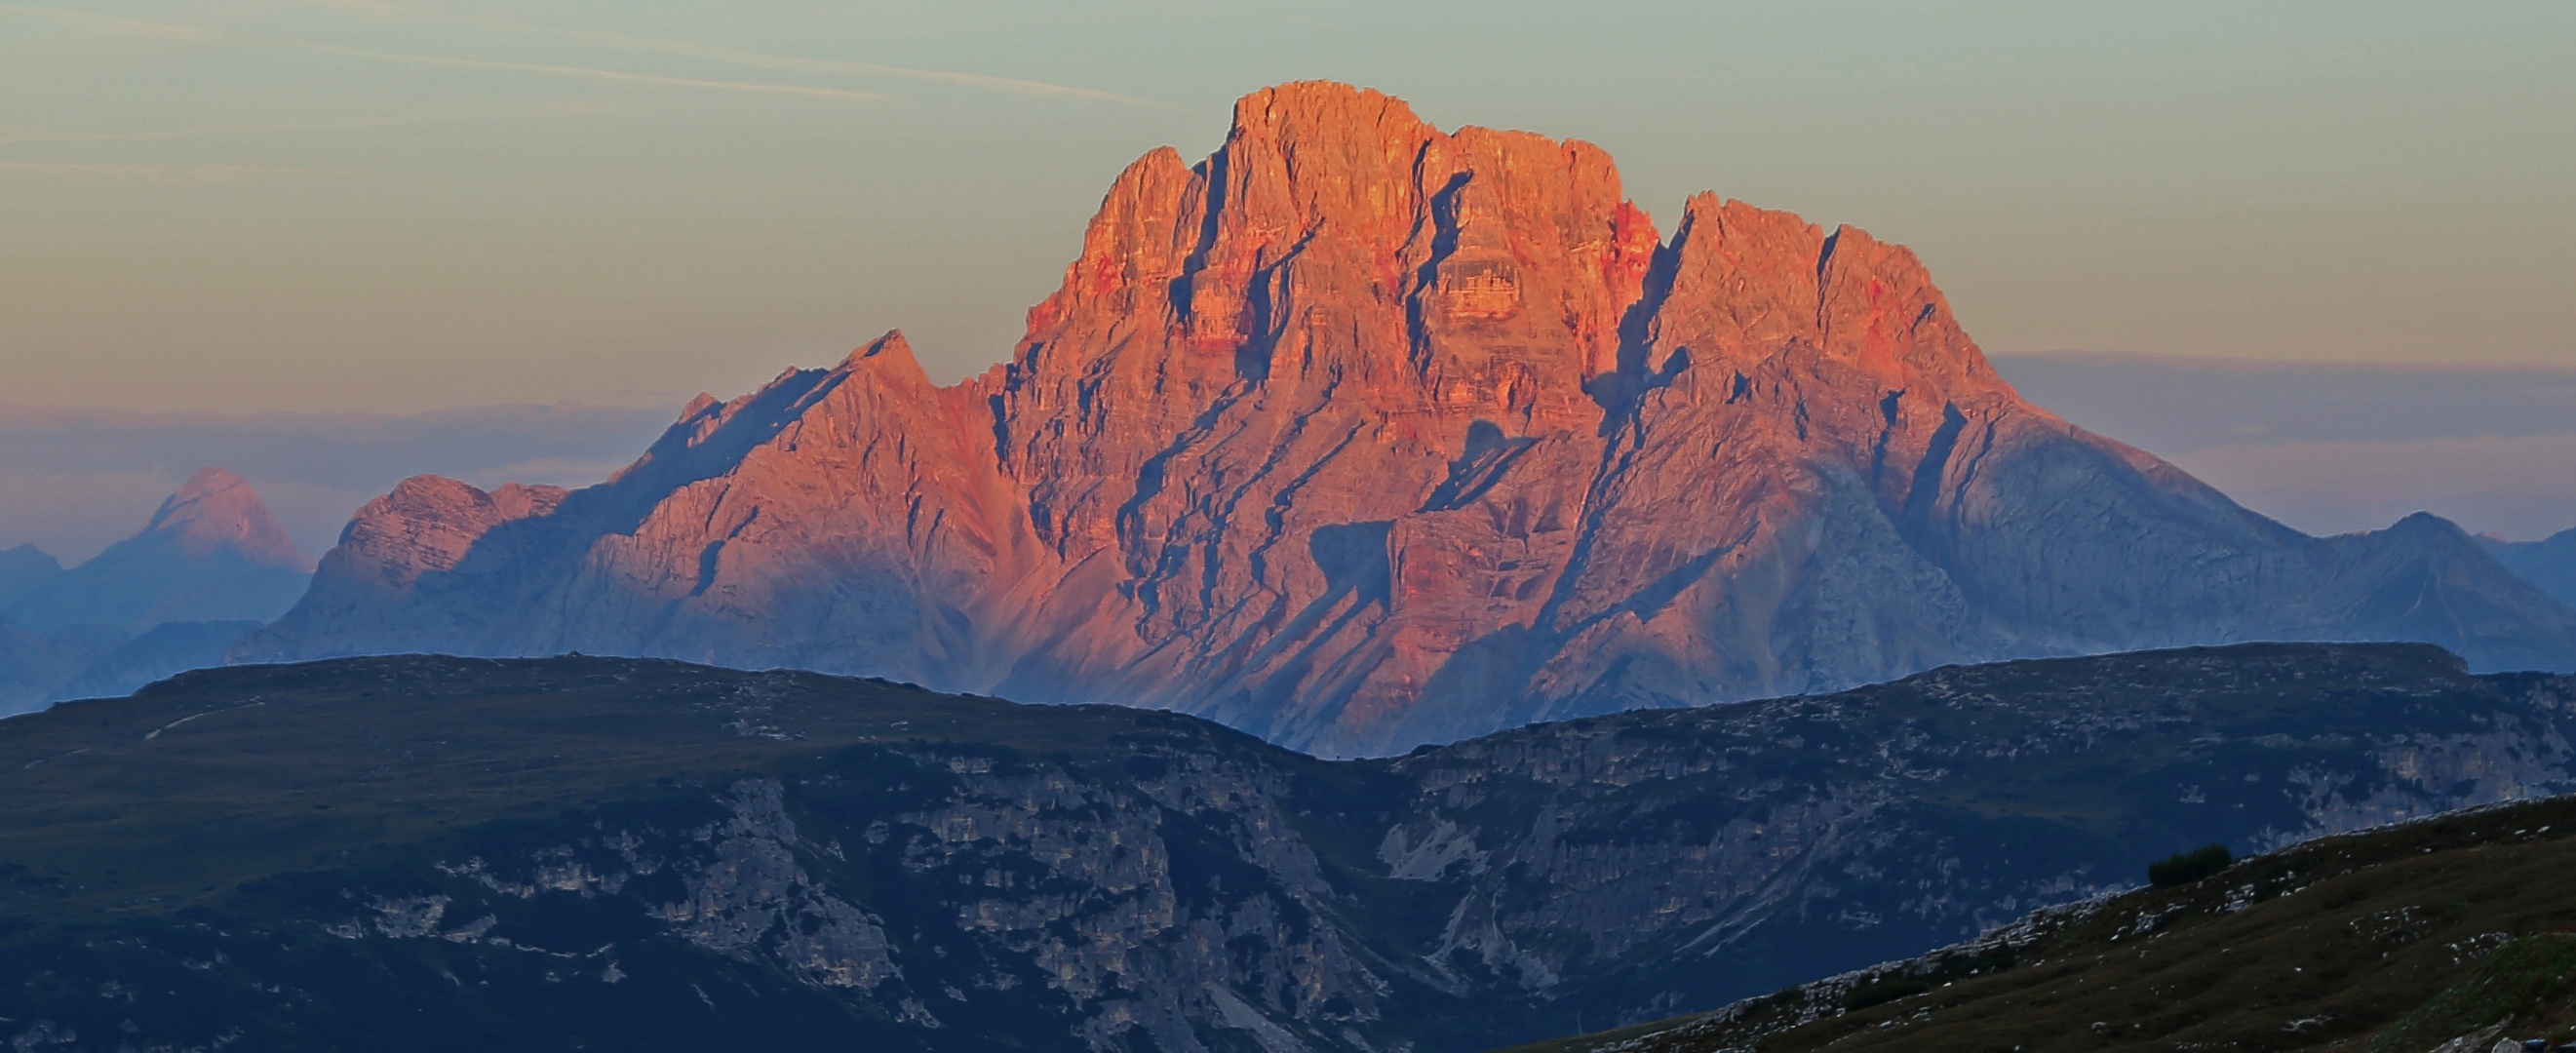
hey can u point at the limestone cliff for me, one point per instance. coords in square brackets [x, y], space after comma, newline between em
[1358, 435]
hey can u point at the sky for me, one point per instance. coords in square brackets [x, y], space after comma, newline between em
[246, 213]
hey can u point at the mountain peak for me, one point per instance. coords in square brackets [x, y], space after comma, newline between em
[1321, 102]
[1357, 434]
[888, 351]
[217, 511]
[23, 569]
[211, 553]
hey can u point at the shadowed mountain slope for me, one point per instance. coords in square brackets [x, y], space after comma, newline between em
[2549, 563]
[439, 853]
[24, 569]
[1358, 435]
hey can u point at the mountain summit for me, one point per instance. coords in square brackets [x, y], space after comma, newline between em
[210, 565]
[210, 553]
[217, 513]
[1358, 434]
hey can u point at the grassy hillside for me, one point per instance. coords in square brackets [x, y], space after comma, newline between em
[2394, 940]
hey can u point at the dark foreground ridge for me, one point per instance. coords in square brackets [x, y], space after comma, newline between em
[2452, 933]
[418, 853]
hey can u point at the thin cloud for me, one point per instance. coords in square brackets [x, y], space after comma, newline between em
[13, 136]
[129, 27]
[113, 25]
[736, 56]
[167, 175]
[584, 71]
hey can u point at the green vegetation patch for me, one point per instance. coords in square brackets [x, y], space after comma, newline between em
[2385, 941]
[2183, 868]
[2530, 982]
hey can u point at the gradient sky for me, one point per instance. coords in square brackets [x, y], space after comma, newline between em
[337, 205]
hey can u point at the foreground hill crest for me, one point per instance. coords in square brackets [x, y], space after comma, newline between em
[1358, 434]
[614, 853]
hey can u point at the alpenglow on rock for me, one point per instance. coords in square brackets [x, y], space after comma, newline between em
[1358, 435]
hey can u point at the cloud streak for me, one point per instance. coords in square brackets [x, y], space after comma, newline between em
[735, 56]
[119, 26]
[584, 71]
[15, 136]
[167, 175]
[115, 25]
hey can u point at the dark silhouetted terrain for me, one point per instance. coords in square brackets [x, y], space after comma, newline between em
[442, 853]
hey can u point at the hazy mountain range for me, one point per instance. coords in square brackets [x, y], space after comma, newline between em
[211, 565]
[73, 481]
[2549, 563]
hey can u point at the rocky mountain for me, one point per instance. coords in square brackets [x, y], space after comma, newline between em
[210, 565]
[441, 853]
[1359, 435]
[2549, 563]
[2448, 935]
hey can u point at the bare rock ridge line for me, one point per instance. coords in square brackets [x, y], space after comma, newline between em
[1359, 435]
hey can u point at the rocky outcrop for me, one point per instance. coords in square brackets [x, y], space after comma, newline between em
[423, 529]
[1358, 434]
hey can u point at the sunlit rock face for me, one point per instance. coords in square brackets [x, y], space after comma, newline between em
[1359, 435]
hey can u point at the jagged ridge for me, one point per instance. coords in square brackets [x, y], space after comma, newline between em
[1359, 435]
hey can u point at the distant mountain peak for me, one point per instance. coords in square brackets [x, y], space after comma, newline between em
[211, 553]
[217, 511]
